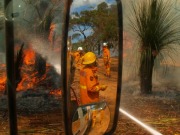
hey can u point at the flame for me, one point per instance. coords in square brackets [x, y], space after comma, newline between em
[2, 77]
[2, 82]
[29, 81]
[30, 77]
[56, 92]
[29, 58]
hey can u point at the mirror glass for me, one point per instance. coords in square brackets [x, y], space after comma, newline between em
[93, 53]
[91, 119]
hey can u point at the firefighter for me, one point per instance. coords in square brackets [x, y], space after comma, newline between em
[89, 84]
[106, 58]
[77, 56]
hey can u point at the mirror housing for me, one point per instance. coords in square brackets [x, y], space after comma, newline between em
[91, 119]
[66, 94]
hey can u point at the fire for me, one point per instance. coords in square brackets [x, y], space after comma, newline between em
[2, 77]
[29, 81]
[2, 82]
[29, 58]
[56, 92]
[29, 76]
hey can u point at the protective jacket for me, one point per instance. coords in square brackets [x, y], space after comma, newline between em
[89, 85]
[106, 58]
[77, 59]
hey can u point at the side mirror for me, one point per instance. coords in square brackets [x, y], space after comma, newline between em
[77, 112]
[91, 119]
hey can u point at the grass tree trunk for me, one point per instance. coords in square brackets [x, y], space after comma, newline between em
[146, 71]
[40, 65]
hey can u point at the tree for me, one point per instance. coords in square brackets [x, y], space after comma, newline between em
[80, 23]
[157, 29]
[101, 21]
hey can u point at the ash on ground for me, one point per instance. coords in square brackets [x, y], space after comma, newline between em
[31, 101]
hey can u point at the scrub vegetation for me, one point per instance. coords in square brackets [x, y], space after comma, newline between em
[157, 29]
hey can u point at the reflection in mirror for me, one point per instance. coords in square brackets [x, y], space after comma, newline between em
[91, 119]
[93, 53]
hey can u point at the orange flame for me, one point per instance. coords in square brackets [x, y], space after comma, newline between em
[29, 58]
[56, 92]
[2, 82]
[2, 77]
[30, 78]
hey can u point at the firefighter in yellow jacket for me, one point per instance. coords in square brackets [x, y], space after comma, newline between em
[77, 56]
[106, 58]
[89, 84]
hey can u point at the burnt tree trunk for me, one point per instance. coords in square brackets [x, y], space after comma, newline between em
[146, 72]
[40, 65]
[18, 65]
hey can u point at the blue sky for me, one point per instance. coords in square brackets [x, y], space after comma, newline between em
[79, 5]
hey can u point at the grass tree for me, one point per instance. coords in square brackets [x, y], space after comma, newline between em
[157, 29]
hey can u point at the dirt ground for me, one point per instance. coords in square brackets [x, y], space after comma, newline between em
[160, 110]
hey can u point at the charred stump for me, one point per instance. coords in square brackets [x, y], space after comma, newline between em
[146, 71]
[18, 65]
[40, 65]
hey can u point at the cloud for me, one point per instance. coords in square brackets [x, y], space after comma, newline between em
[78, 3]
[85, 3]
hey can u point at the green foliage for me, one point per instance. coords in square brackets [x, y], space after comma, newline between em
[102, 7]
[105, 21]
[102, 21]
[157, 28]
[156, 25]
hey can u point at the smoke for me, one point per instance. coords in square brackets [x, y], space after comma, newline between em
[32, 27]
[43, 47]
[165, 75]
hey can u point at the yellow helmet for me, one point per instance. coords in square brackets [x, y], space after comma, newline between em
[89, 58]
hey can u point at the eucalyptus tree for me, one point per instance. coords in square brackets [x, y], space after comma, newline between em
[101, 21]
[80, 23]
[157, 28]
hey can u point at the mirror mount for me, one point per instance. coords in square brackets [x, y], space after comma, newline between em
[91, 118]
[65, 93]
[120, 67]
[10, 66]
